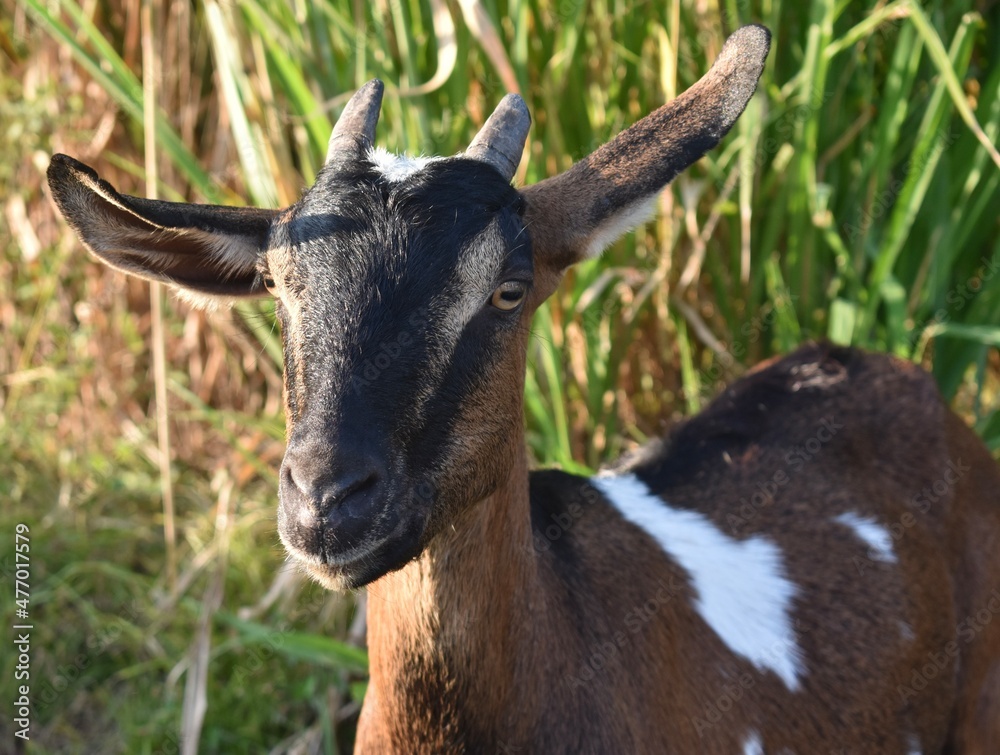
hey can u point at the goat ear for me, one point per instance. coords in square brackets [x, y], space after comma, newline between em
[200, 248]
[576, 214]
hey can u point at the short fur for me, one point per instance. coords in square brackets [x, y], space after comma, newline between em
[561, 643]
[530, 613]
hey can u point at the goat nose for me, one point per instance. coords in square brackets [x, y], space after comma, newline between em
[329, 485]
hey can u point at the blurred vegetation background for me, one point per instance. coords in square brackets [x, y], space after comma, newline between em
[856, 200]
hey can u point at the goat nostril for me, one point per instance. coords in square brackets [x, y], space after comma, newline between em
[351, 498]
[321, 489]
[297, 477]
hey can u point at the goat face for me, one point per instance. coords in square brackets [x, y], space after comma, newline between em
[403, 297]
[405, 290]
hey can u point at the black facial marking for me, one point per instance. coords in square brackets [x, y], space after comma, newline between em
[388, 330]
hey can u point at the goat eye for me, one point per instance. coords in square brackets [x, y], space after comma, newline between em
[509, 295]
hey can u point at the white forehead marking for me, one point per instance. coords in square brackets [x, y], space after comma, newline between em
[873, 534]
[742, 591]
[395, 168]
[752, 744]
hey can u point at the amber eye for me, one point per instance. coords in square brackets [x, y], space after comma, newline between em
[509, 295]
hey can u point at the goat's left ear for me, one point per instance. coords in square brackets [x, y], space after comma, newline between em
[576, 214]
[206, 249]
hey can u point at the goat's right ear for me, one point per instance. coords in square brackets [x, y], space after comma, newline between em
[576, 214]
[205, 249]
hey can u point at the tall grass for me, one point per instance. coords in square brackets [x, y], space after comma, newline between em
[854, 201]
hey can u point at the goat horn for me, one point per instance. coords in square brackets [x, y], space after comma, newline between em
[356, 126]
[500, 141]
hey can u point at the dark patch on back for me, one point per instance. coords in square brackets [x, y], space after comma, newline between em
[766, 412]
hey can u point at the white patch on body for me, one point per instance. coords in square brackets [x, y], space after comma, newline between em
[742, 591]
[873, 534]
[396, 168]
[752, 745]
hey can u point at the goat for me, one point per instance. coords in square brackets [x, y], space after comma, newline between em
[811, 564]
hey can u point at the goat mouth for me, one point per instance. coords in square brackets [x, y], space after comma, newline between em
[339, 568]
[361, 566]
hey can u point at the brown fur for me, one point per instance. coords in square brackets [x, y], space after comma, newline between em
[475, 647]
[535, 618]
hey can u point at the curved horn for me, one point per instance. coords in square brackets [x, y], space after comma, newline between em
[577, 213]
[355, 128]
[500, 141]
